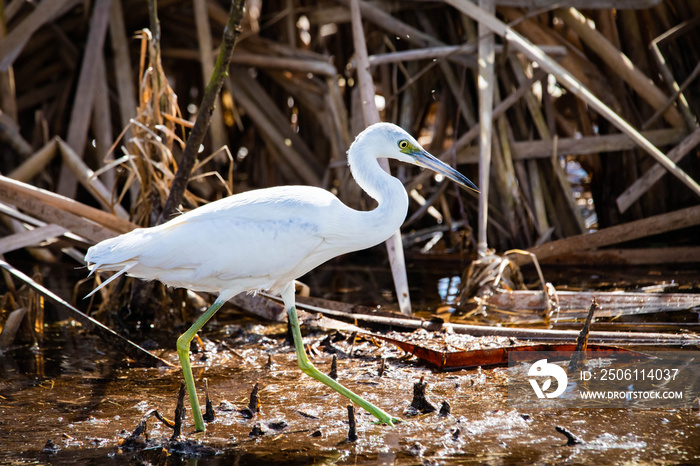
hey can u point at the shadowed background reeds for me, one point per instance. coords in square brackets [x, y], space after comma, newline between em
[95, 110]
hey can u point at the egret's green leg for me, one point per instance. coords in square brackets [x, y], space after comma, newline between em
[183, 352]
[309, 369]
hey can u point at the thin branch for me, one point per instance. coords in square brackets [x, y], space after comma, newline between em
[201, 124]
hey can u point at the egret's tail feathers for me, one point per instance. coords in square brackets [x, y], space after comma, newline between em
[110, 279]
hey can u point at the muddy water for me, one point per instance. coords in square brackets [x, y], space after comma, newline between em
[74, 401]
[83, 401]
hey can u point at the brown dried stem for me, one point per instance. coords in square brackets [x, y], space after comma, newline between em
[211, 95]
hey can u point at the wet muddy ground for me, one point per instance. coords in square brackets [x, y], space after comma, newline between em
[73, 401]
[72, 405]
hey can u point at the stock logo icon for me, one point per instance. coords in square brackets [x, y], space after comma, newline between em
[551, 371]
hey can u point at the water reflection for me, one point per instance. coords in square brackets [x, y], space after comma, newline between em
[448, 289]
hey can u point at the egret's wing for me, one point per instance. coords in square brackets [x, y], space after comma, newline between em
[259, 244]
[257, 240]
[229, 248]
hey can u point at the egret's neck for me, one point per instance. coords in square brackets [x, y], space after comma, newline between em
[387, 190]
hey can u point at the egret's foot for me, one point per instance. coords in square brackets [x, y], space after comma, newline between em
[384, 418]
[390, 421]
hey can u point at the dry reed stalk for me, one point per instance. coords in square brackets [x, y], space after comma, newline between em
[465, 139]
[485, 88]
[36, 163]
[574, 61]
[574, 86]
[124, 84]
[204, 39]
[636, 229]
[102, 129]
[385, 20]
[621, 65]
[12, 45]
[338, 130]
[564, 214]
[586, 145]
[647, 180]
[573, 223]
[11, 136]
[87, 178]
[683, 87]
[456, 87]
[629, 256]
[294, 154]
[148, 153]
[7, 85]
[48, 198]
[528, 173]
[684, 28]
[50, 214]
[30, 238]
[85, 93]
[426, 205]
[11, 326]
[19, 224]
[369, 111]
[429, 53]
[178, 188]
[513, 202]
[302, 65]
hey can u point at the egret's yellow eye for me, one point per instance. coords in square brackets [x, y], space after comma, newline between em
[403, 144]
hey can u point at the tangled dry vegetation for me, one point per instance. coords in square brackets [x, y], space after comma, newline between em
[97, 112]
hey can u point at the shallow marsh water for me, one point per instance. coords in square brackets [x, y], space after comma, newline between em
[73, 401]
[79, 400]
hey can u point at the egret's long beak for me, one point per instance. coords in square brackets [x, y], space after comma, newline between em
[427, 160]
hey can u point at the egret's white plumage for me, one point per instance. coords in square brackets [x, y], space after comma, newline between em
[265, 239]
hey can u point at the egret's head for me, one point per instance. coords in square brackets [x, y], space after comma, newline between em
[397, 144]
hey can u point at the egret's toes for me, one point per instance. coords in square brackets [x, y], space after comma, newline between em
[388, 420]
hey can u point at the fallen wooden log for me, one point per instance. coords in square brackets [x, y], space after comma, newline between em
[51, 214]
[575, 304]
[349, 312]
[25, 195]
[630, 256]
[670, 221]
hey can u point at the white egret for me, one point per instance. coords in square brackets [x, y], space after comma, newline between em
[267, 238]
